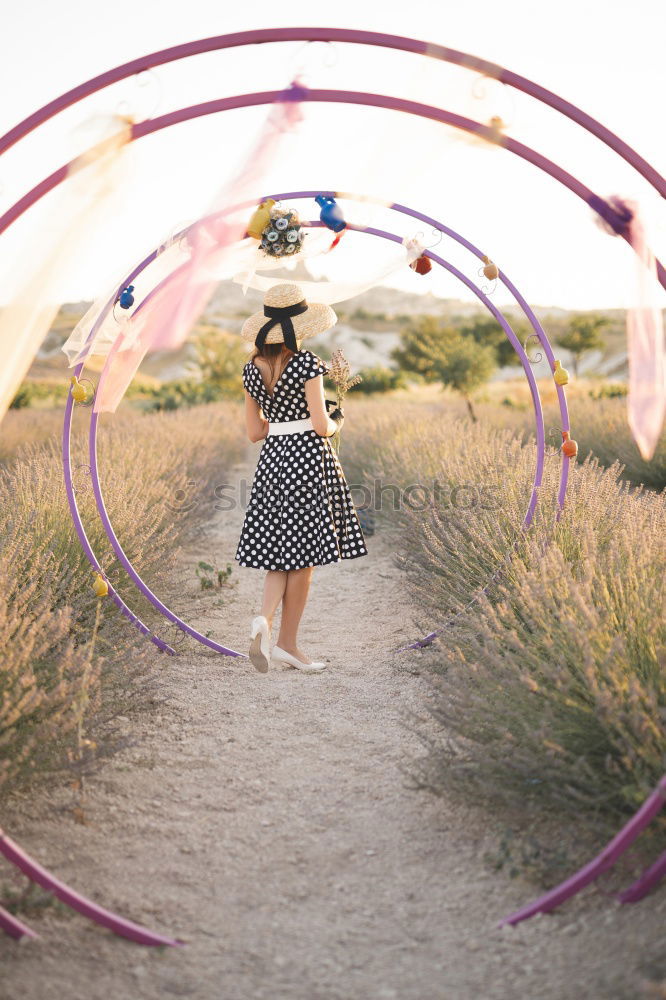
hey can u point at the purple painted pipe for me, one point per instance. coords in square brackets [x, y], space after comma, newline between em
[14, 927]
[99, 497]
[371, 38]
[517, 346]
[536, 326]
[617, 846]
[539, 418]
[329, 96]
[529, 313]
[81, 532]
[648, 880]
[428, 639]
[36, 873]
[122, 555]
[398, 42]
[76, 517]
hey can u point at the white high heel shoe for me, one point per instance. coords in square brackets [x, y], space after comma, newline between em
[282, 656]
[260, 647]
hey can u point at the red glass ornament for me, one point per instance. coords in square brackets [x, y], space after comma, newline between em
[422, 265]
[569, 446]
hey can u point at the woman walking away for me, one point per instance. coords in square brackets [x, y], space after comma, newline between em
[300, 513]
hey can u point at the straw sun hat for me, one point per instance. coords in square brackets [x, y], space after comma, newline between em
[287, 317]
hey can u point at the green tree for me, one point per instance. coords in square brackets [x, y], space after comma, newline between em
[380, 379]
[442, 354]
[487, 331]
[24, 397]
[182, 392]
[220, 359]
[419, 345]
[583, 334]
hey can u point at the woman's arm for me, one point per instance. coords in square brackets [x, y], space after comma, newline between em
[257, 427]
[314, 394]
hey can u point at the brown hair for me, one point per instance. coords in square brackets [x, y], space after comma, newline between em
[273, 354]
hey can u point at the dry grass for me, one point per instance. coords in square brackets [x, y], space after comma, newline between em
[49, 673]
[28, 426]
[551, 686]
[598, 425]
[483, 474]
[601, 429]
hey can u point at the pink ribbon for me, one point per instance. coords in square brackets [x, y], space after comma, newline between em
[646, 398]
[166, 317]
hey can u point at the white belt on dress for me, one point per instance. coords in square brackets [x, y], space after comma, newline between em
[290, 426]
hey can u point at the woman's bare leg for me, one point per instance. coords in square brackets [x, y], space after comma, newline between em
[274, 588]
[293, 604]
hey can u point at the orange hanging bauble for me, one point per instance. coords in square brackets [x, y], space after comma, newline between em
[569, 446]
[422, 265]
[490, 270]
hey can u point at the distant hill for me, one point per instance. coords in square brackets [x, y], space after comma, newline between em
[368, 329]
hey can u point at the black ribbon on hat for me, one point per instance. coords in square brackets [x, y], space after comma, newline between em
[281, 315]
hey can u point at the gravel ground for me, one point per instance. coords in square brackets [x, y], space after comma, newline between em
[268, 821]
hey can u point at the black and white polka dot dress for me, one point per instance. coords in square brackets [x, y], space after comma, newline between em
[300, 511]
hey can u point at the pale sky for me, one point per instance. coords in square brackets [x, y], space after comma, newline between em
[606, 57]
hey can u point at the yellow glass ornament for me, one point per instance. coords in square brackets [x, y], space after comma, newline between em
[260, 219]
[78, 391]
[560, 374]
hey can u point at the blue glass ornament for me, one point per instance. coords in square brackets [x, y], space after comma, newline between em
[126, 298]
[331, 213]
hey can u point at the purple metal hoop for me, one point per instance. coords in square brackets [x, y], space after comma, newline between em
[324, 34]
[97, 488]
[144, 128]
[617, 846]
[38, 874]
[80, 530]
[99, 500]
[647, 881]
[125, 561]
[14, 927]
[380, 39]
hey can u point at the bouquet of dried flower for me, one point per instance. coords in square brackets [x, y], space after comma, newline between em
[340, 374]
[284, 233]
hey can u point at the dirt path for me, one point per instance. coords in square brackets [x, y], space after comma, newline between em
[266, 821]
